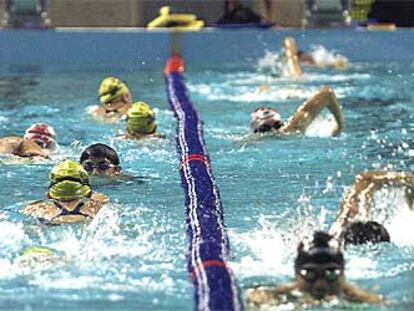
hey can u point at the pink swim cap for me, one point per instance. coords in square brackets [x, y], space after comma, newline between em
[44, 135]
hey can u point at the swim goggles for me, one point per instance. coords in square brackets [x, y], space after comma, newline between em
[104, 165]
[268, 127]
[312, 274]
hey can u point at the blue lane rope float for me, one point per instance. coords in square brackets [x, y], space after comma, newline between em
[214, 283]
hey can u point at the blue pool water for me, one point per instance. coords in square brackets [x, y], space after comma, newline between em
[274, 191]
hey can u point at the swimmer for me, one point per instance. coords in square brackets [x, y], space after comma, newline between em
[268, 120]
[70, 198]
[318, 57]
[39, 140]
[141, 123]
[319, 277]
[115, 98]
[100, 159]
[321, 58]
[355, 223]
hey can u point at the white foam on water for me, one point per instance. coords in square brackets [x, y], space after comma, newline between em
[252, 94]
[3, 120]
[271, 62]
[325, 58]
[272, 247]
[392, 210]
[12, 236]
[6, 269]
[270, 251]
[323, 126]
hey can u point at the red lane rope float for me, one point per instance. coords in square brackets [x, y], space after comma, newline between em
[194, 157]
[207, 264]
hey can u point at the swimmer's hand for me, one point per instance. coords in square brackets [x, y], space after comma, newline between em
[264, 88]
[269, 295]
[260, 295]
[100, 197]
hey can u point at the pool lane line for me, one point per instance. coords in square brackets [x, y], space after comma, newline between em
[214, 283]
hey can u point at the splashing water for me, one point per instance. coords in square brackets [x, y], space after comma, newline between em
[391, 208]
[326, 58]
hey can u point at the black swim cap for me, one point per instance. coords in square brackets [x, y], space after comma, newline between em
[365, 232]
[300, 52]
[323, 249]
[100, 151]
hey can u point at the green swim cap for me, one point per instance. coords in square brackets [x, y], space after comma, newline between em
[141, 119]
[111, 88]
[69, 181]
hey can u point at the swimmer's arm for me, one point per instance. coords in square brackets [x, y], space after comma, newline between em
[311, 108]
[268, 295]
[292, 57]
[365, 185]
[356, 294]
[356, 201]
[377, 180]
[387, 178]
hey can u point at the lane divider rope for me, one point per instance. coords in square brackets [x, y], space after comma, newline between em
[215, 287]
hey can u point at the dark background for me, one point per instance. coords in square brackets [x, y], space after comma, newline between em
[400, 12]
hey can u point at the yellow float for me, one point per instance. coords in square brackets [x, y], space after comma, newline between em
[181, 22]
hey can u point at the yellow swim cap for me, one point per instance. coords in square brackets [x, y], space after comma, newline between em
[141, 119]
[35, 250]
[111, 88]
[69, 181]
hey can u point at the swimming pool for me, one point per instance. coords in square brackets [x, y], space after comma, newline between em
[274, 191]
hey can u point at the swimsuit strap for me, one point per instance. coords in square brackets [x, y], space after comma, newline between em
[76, 211]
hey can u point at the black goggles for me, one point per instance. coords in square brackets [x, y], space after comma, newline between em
[312, 274]
[268, 127]
[114, 89]
[104, 165]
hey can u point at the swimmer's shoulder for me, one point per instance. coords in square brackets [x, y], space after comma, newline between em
[29, 148]
[41, 209]
[93, 205]
[100, 114]
[127, 136]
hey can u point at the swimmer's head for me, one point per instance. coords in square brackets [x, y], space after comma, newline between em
[319, 266]
[42, 134]
[100, 159]
[365, 232]
[69, 181]
[141, 119]
[113, 93]
[300, 53]
[264, 120]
